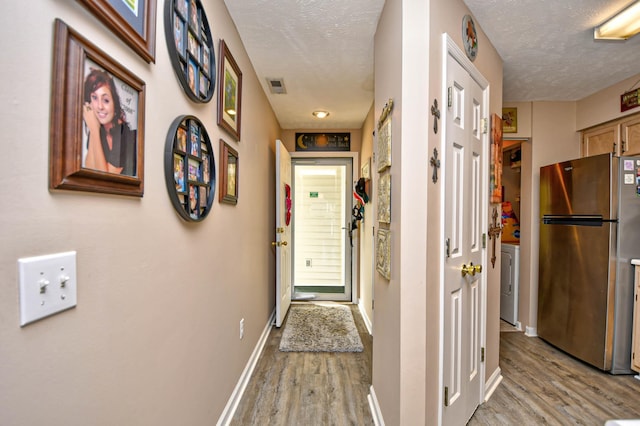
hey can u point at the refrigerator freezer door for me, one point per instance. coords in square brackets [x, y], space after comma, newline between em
[578, 187]
[575, 294]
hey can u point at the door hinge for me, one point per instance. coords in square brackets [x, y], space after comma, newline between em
[484, 240]
[483, 125]
[449, 96]
[481, 354]
[614, 147]
[446, 396]
[447, 245]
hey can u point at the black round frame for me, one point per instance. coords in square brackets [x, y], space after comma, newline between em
[188, 143]
[190, 46]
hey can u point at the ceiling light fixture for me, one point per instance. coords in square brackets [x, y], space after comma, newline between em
[624, 25]
[320, 114]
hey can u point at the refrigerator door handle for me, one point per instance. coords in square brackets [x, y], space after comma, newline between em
[580, 220]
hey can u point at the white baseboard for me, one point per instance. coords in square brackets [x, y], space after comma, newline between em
[519, 325]
[492, 384]
[375, 408]
[365, 318]
[236, 395]
[531, 331]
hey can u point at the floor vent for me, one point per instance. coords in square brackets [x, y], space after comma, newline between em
[276, 86]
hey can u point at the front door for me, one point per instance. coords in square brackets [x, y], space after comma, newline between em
[322, 228]
[464, 201]
[282, 243]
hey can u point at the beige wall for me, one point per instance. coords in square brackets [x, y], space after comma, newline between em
[604, 105]
[154, 337]
[406, 315]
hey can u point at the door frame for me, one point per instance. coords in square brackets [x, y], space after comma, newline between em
[355, 170]
[449, 48]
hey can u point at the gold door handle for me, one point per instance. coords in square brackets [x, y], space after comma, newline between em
[478, 268]
[278, 243]
[471, 270]
[284, 243]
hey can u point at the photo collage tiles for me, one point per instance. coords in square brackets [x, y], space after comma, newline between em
[192, 168]
[192, 39]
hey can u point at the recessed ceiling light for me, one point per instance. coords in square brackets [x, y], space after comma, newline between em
[320, 114]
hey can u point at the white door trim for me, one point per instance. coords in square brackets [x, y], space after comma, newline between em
[355, 172]
[449, 48]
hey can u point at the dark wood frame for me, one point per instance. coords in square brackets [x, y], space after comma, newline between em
[71, 50]
[144, 44]
[226, 153]
[204, 153]
[203, 65]
[227, 60]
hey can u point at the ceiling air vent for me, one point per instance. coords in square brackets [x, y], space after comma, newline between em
[276, 86]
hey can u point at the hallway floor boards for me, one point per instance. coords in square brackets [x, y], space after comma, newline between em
[543, 386]
[308, 388]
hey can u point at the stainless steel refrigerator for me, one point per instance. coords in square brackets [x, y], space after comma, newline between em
[589, 232]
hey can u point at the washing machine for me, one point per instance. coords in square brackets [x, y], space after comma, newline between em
[509, 282]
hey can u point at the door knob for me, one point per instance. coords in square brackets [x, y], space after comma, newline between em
[278, 243]
[478, 268]
[471, 270]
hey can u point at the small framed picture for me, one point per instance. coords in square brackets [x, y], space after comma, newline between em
[194, 170]
[178, 172]
[194, 132]
[97, 120]
[204, 84]
[509, 120]
[134, 21]
[178, 33]
[192, 72]
[229, 172]
[229, 93]
[194, 211]
[206, 59]
[194, 14]
[181, 7]
[181, 139]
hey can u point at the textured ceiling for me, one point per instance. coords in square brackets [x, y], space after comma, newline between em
[548, 49]
[323, 49]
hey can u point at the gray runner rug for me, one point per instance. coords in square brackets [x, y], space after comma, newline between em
[320, 328]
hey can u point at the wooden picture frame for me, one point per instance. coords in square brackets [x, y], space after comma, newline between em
[229, 174]
[83, 76]
[383, 253]
[189, 166]
[495, 179]
[190, 47]
[229, 93]
[134, 21]
[509, 120]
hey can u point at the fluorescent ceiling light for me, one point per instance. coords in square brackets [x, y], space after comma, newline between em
[622, 26]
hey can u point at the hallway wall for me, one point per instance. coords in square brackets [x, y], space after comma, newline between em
[406, 356]
[154, 337]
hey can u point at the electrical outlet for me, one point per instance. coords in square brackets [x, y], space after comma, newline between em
[308, 263]
[48, 285]
[241, 328]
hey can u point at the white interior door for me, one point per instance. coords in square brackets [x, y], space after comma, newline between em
[282, 243]
[463, 263]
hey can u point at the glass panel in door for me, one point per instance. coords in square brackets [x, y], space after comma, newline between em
[321, 232]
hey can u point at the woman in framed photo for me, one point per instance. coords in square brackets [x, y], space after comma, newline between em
[111, 145]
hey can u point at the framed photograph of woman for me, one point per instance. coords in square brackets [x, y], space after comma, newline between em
[178, 172]
[229, 93]
[97, 120]
[181, 136]
[134, 21]
[178, 34]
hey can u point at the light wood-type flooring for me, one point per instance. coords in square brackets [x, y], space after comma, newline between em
[309, 388]
[541, 386]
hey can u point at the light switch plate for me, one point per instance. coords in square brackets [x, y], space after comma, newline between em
[48, 285]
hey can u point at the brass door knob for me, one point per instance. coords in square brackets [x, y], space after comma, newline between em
[471, 270]
[278, 243]
[478, 268]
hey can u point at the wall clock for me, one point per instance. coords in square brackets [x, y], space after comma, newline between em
[190, 48]
[469, 37]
